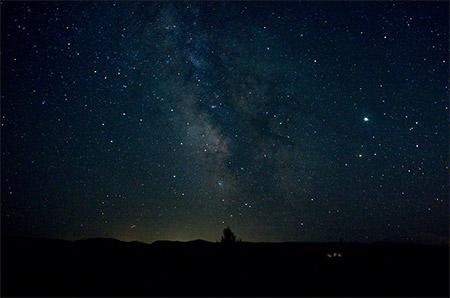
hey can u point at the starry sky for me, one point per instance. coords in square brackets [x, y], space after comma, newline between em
[289, 121]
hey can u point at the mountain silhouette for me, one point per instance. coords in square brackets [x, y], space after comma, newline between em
[109, 267]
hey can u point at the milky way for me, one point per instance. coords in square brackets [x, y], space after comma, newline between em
[286, 121]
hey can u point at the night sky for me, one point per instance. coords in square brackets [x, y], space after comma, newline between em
[285, 121]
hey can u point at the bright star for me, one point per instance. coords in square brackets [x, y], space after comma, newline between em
[366, 119]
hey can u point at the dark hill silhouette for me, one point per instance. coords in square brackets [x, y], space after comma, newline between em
[109, 267]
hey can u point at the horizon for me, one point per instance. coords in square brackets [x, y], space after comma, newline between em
[444, 242]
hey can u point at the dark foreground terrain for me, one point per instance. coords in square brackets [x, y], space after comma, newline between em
[107, 267]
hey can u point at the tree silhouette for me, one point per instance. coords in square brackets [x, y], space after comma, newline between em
[228, 236]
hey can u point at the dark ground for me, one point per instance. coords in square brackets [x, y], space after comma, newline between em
[108, 267]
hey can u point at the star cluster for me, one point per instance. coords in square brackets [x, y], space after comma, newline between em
[286, 121]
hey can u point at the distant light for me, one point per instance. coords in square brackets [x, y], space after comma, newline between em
[366, 119]
[334, 255]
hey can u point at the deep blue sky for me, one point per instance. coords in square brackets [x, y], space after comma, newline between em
[287, 121]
